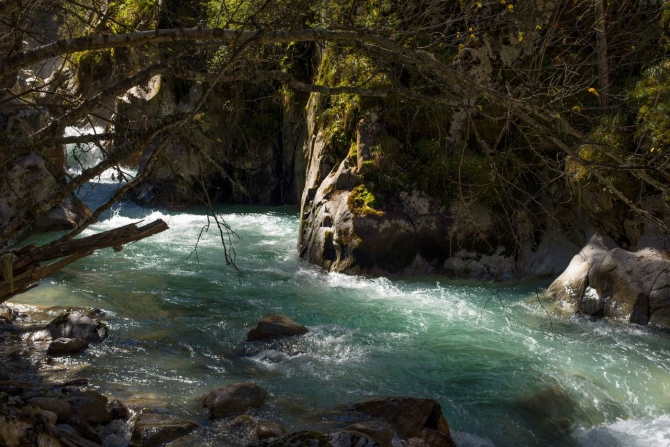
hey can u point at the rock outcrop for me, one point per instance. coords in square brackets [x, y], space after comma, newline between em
[606, 281]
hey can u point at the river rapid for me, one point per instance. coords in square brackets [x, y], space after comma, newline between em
[504, 372]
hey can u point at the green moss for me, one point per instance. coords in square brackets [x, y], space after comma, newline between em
[362, 202]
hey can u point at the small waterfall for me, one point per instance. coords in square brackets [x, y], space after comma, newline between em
[82, 156]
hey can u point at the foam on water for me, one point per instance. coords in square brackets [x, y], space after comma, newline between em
[504, 373]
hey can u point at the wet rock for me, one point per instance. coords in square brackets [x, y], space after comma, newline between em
[267, 430]
[57, 406]
[67, 428]
[117, 410]
[434, 438]
[90, 410]
[274, 326]
[64, 346]
[50, 416]
[7, 313]
[77, 325]
[410, 417]
[233, 399]
[84, 429]
[94, 395]
[380, 431]
[23, 425]
[351, 439]
[40, 335]
[152, 430]
[243, 421]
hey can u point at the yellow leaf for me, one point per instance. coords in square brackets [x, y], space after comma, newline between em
[538, 27]
[577, 108]
[479, 4]
[652, 149]
[510, 8]
[502, 2]
[593, 91]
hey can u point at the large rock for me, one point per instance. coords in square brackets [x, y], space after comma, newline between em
[153, 430]
[117, 410]
[89, 409]
[233, 399]
[612, 282]
[411, 417]
[77, 325]
[64, 346]
[57, 406]
[274, 326]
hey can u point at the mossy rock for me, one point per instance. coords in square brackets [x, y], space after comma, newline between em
[362, 202]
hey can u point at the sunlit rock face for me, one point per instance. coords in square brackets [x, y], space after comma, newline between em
[606, 281]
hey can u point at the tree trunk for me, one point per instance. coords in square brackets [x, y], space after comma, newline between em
[21, 267]
[603, 63]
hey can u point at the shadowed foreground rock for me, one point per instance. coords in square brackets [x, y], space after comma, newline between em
[233, 399]
[411, 417]
[615, 283]
[275, 326]
[152, 430]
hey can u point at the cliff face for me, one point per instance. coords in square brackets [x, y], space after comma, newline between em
[32, 178]
[243, 147]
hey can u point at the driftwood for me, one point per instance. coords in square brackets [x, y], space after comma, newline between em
[27, 262]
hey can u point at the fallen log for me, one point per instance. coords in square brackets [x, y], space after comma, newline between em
[22, 267]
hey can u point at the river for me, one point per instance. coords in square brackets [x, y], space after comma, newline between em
[504, 373]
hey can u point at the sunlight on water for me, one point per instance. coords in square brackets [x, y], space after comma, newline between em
[504, 373]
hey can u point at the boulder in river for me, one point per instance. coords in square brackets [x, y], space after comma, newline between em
[64, 346]
[616, 283]
[117, 410]
[275, 326]
[411, 417]
[233, 399]
[77, 325]
[153, 430]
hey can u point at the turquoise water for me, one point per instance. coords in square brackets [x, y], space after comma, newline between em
[504, 373]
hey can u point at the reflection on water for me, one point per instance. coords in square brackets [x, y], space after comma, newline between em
[504, 376]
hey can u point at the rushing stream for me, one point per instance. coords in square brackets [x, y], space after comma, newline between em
[504, 373]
